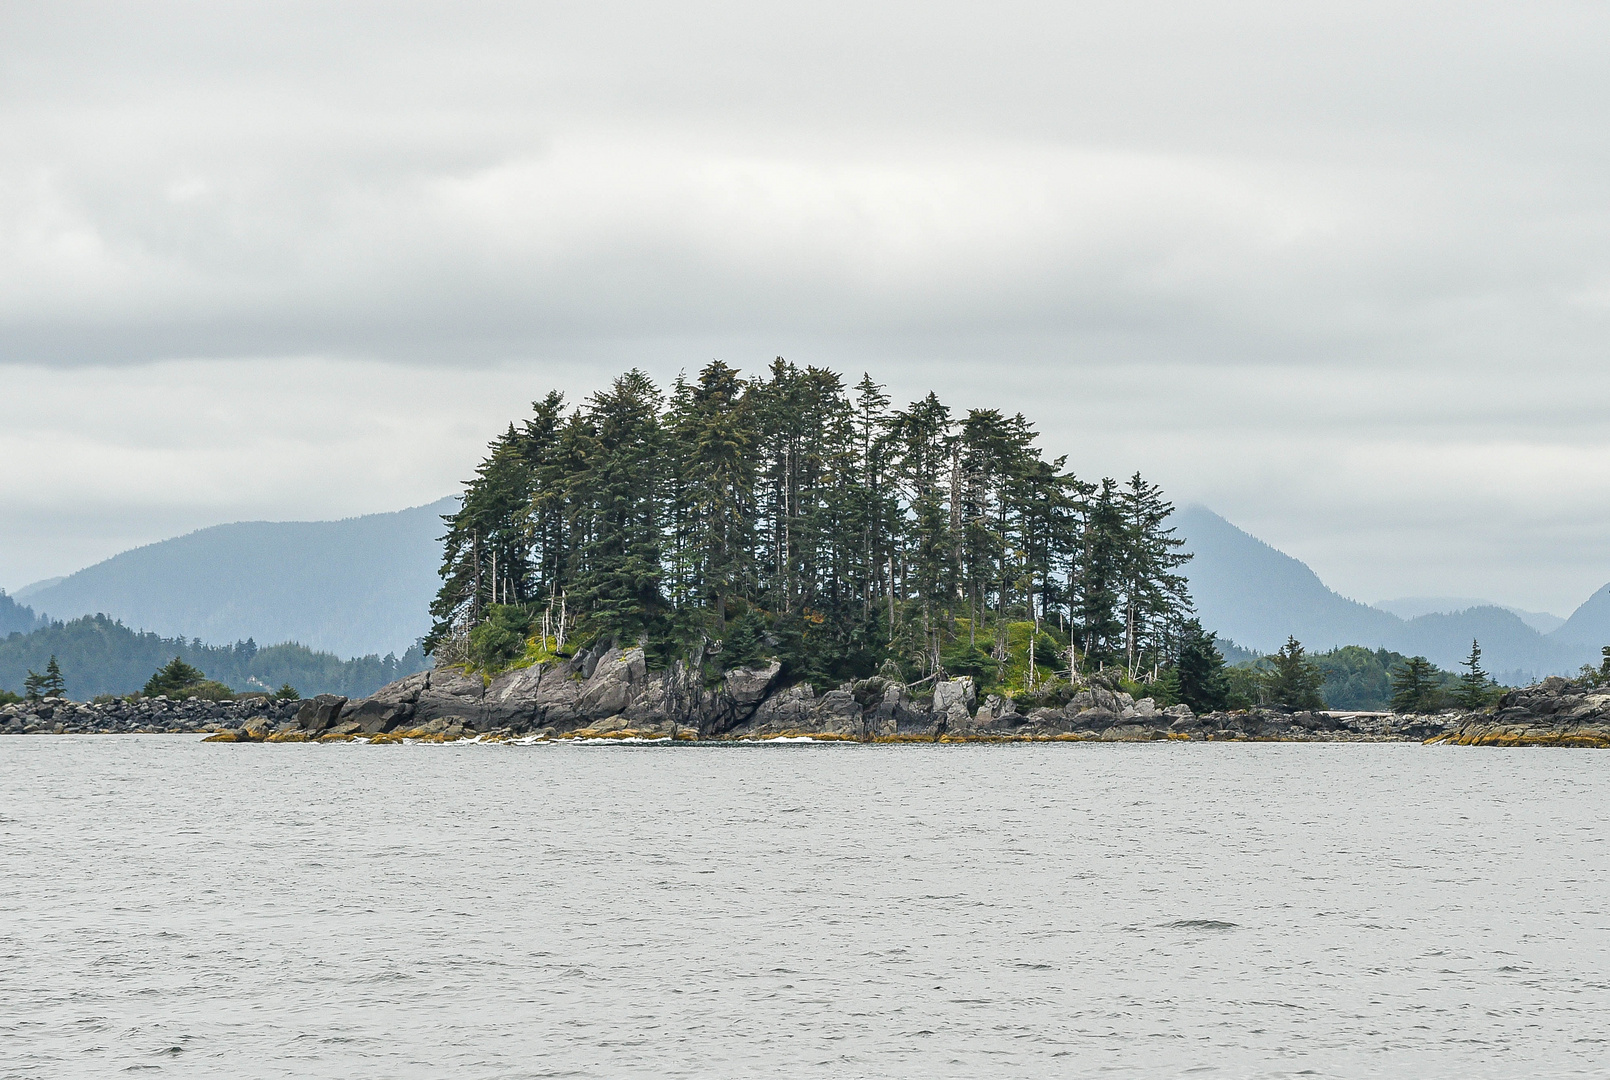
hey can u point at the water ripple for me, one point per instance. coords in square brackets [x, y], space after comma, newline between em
[533, 911]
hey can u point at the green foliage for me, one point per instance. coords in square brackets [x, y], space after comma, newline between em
[287, 692]
[1247, 686]
[1294, 680]
[8, 698]
[209, 690]
[1360, 678]
[1416, 688]
[101, 656]
[50, 684]
[1476, 688]
[1356, 677]
[965, 657]
[53, 684]
[501, 639]
[1200, 671]
[787, 516]
[173, 680]
[1166, 689]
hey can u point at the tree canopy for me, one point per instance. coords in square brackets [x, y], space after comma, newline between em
[1294, 681]
[1416, 687]
[790, 515]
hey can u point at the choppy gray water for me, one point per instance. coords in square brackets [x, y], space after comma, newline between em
[1068, 910]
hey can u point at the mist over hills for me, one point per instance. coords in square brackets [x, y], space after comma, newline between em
[1255, 595]
[16, 618]
[353, 587]
[1412, 607]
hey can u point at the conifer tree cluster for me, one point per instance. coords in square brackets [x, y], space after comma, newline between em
[790, 515]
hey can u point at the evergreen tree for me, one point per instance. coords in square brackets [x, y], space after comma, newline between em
[1204, 686]
[53, 685]
[173, 679]
[1295, 680]
[1155, 600]
[1474, 684]
[618, 585]
[1099, 625]
[715, 434]
[1415, 688]
[791, 517]
[33, 687]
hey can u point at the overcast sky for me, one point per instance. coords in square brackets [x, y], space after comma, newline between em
[1341, 272]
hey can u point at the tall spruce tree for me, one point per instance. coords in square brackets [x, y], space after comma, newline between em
[53, 684]
[1203, 684]
[1100, 626]
[1474, 685]
[1155, 599]
[1415, 688]
[714, 433]
[618, 584]
[1295, 680]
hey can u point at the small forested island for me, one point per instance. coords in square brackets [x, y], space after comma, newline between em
[732, 522]
[787, 557]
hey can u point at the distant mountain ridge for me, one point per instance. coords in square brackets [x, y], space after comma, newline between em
[353, 587]
[16, 618]
[363, 586]
[1255, 595]
[1412, 607]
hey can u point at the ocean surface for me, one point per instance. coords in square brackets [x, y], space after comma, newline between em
[1262, 910]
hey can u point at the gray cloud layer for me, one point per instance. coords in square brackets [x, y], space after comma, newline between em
[1343, 273]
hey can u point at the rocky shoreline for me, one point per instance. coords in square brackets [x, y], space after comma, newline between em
[1555, 712]
[146, 716]
[609, 694]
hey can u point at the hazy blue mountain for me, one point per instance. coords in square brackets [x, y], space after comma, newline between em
[1511, 650]
[1257, 596]
[1412, 607]
[1249, 592]
[16, 618]
[22, 594]
[352, 587]
[1589, 624]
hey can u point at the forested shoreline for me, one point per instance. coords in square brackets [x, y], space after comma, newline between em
[99, 655]
[791, 516]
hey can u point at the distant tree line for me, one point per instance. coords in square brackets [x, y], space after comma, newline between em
[97, 655]
[1354, 677]
[792, 516]
[16, 618]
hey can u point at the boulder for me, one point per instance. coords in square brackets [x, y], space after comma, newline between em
[318, 713]
[374, 716]
[617, 678]
[450, 693]
[1132, 733]
[747, 687]
[836, 713]
[256, 729]
[791, 709]
[1093, 719]
[953, 692]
